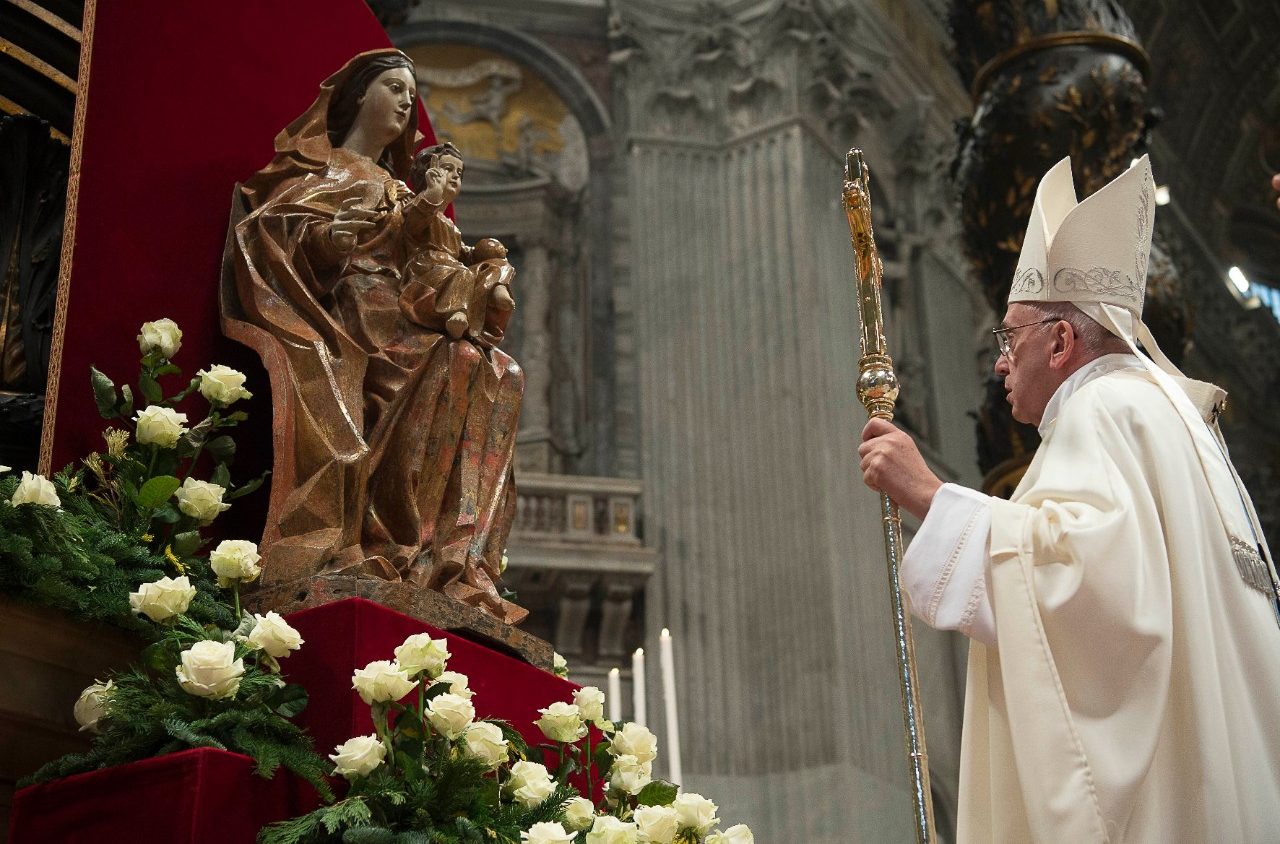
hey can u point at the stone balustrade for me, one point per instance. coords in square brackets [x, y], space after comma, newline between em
[578, 562]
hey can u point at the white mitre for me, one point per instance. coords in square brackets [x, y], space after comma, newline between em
[1094, 254]
[1091, 251]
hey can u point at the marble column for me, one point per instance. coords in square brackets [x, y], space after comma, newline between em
[534, 451]
[772, 577]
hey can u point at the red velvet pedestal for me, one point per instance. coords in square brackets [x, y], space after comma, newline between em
[207, 796]
[194, 797]
[345, 635]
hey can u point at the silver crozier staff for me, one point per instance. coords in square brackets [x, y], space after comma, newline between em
[878, 390]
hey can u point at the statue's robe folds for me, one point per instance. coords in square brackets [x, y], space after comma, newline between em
[1123, 680]
[393, 443]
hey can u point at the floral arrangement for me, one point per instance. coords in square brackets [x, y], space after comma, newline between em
[432, 772]
[83, 540]
[119, 540]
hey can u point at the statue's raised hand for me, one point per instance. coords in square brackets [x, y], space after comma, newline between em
[434, 183]
[348, 223]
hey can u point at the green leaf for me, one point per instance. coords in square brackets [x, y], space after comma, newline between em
[157, 656]
[238, 416]
[602, 757]
[167, 514]
[197, 435]
[126, 409]
[222, 448]
[150, 389]
[186, 543]
[156, 492]
[221, 476]
[167, 369]
[290, 700]
[246, 488]
[104, 393]
[657, 793]
[185, 391]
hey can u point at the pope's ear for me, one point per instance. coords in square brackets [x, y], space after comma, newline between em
[1064, 342]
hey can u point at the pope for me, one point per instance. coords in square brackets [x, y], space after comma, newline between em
[1124, 670]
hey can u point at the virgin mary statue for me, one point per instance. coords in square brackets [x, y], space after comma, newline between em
[393, 441]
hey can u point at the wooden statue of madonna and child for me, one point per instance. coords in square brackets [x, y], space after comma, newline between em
[395, 412]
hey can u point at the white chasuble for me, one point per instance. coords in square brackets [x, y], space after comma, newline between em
[1130, 689]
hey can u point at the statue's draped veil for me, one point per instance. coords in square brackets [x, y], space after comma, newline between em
[303, 146]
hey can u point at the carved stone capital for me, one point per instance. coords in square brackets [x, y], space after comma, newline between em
[712, 73]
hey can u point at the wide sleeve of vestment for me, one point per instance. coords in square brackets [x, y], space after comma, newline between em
[944, 569]
[1081, 591]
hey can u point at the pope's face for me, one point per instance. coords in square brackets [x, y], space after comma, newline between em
[1029, 382]
[386, 104]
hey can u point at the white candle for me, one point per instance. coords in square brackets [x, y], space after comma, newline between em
[615, 695]
[667, 657]
[637, 687]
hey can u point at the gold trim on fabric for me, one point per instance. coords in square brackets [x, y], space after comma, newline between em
[68, 244]
[37, 64]
[38, 11]
[1118, 44]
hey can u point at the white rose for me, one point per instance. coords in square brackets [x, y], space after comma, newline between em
[222, 385]
[92, 706]
[530, 783]
[579, 813]
[736, 834]
[609, 830]
[629, 774]
[210, 669]
[559, 667]
[695, 812]
[358, 756]
[35, 489]
[483, 740]
[162, 599]
[635, 740]
[457, 684]
[561, 722]
[450, 714]
[201, 500]
[161, 426]
[4, 469]
[658, 824]
[590, 703]
[235, 560]
[163, 336]
[546, 832]
[273, 634]
[421, 654]
[382, 681]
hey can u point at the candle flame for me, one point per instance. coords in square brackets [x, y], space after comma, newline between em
[614, 672]
[666, 634]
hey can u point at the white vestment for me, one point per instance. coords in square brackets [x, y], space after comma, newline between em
[1124, 680]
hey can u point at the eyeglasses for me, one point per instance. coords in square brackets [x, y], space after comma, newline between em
[1002, 334]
